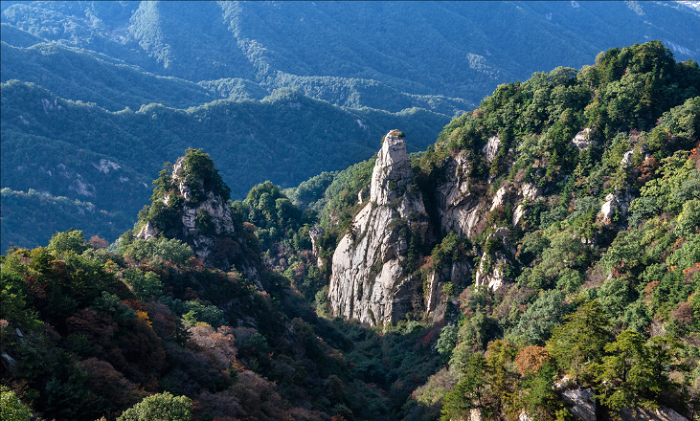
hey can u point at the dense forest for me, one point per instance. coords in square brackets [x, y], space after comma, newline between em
[595, 312]
[93, 155]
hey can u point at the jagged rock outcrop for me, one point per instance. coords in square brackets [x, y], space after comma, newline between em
[619, 201]
[369, 282]
[203, 220]
[581, 403]
[579, 400]
[459, 273]
[660, 414]
[523, 416]
[615, 202]
[583, 140]
[315, 234]
[529, 193]
[491, 272]
[462, 206]
[463, 202]
[9, 363]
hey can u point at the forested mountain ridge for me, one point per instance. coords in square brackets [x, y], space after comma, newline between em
[76, 74]
[563, 232]
[342, 52]
[80, 76]
[551, 238]
[90, 154]
[415, 61]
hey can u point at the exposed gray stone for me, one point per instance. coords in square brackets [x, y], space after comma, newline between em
[582, 140]
[368, 282]
[491, 148]
[617, 201]
[315, 233]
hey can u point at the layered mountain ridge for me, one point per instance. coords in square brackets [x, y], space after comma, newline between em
[267, 43]
[372, 66]
[540, 261]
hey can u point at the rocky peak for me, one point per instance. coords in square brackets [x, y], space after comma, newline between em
[392, 171]
[369, 281]
[214, 206]
[193, 208]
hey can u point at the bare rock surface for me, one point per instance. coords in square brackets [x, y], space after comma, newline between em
[616, 202]
[368, 281]
[462, 208]
[491, 148]
[660, 414]
[582, 140]
[581, 403]
[315, 233]
[459, 273]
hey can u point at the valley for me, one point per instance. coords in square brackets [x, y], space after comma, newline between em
[340, 212]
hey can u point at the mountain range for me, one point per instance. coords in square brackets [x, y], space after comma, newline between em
[540, 260]
[279, 91]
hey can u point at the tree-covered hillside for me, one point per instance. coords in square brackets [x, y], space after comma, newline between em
[72, 74]
[594, 314]
[83, 152]
[75, 74]
[145, 329]
[600, 270]
[586, 289]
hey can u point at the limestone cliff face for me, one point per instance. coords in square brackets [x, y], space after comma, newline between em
[463, 203]
[368, 281]
[458, 273]
[206, 225]
[463, 206]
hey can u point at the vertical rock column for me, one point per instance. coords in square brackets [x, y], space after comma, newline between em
[369, 283]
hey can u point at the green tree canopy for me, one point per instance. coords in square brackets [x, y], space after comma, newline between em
[160, 407]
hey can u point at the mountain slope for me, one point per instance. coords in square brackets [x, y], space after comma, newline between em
[563, 232]
[415, 47]
[80, 76]
[81, 151]
[541, 260]
[112, 328]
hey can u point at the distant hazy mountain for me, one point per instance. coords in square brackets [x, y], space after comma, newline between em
[83, 152]
[333, 50]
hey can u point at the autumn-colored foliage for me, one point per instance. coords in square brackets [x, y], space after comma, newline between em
[683, 314]
[531, 358]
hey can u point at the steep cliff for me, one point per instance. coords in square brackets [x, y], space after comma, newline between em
[370, 279]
